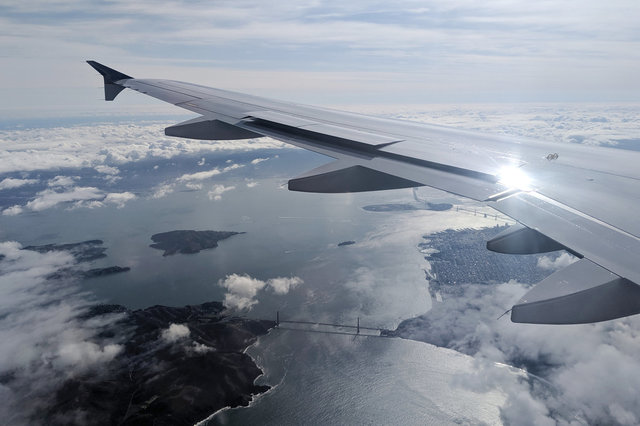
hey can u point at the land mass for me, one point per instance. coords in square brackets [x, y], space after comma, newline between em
[164, 379]
[462, 272]
[188, 242]
[84, 251]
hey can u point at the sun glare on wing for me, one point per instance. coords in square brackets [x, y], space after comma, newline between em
[514, 178]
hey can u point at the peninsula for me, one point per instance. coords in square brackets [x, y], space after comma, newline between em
[161, 377]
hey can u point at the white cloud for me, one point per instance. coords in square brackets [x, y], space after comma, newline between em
[62, 181]
[199, 348]
[10, 183]
[175, 332]
[207, 174]
[552, 264]
[217, 191]
[105, 146]
[252, 184]
[282, 285]
[86, 204]
[119, 198]
[12, 211]
[83, 355]
[50, 198]
[162, 191]
[107, 170]
[199, 175]
[243, 289]
[258, 160]
[194, 186]
[78, 197]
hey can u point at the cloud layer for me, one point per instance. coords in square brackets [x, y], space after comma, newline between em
[106, 146]
[552, 49]
[74, 197]
[107, 150]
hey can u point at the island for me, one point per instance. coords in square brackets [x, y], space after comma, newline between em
[160, 379]
[188, 242]
[101, 272]
[83, 252]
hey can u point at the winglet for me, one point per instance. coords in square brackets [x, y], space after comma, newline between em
[111, 77]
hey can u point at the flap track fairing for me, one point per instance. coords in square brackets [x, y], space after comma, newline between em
[581, 293]
[203, 128]
[338, 177]
[519, 239]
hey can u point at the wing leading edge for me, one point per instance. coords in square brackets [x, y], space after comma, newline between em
[563, 196]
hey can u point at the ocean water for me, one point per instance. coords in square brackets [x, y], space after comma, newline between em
[339, 379]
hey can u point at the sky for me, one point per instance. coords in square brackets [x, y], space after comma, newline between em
[325, 52]
[330, 53]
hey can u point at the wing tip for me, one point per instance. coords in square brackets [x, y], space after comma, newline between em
[111, 77]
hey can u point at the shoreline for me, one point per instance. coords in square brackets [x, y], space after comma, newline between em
[254, 397]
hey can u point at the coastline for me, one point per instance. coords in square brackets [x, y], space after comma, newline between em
[254, 397]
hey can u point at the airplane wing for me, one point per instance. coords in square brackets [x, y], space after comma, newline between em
[563, 196]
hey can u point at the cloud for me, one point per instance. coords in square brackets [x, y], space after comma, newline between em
[61, 181]
[199, 175]
[175, 332]
[107, 170]
[478, 46]
[10, 183]
[199, 348]
[243, 289]
[162, 191]
[575, 362]
[552, 264]
[119, 198]
[12, 211]
[84, 355]
[208, 174]
[79, 197]
[217, 191]
[283, 285]
[258, 160]
[194, 186]
[180, 333]
[44, 340]
[50, 197]
[104, 147]
[252, 184]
